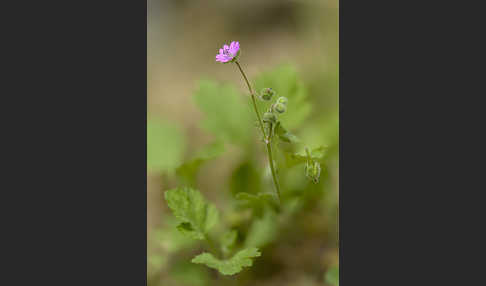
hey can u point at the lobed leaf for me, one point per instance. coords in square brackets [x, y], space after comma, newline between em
[293, 159]
[191, 209]
[257, 202]
[244, 258]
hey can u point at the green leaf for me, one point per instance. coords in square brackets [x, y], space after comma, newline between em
[191, 209]
[262, 231]
[187, 229]
[226, 114]
[332, 276]
[318, 153]
[244, 258]
[187, 172]
[165, 146]
[293, 159]
[228, 241]
[257, 202]
[284, 135]
[285, 82]
[168, 238]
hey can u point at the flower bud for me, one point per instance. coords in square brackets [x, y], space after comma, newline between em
[313, 171]
[279, 107]
[267, 93]
[282, 100]
[269, 117]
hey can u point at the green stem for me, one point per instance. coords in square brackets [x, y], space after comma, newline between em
[267, 138]
[308, 154]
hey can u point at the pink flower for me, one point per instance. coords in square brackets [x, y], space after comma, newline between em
[230, 53]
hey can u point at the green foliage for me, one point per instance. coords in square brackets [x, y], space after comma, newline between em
[226, 115]
[244, 258]
[258, 219]
[262, 231]
[258, 202]
[285, 82]
[293, 159]
[162, 242]
[332, 276]
[285, 135]
[228, 241]
[169, 238]
[165, 145]
[195, 214]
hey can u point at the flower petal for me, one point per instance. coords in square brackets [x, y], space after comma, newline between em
[232, 45]
[222, 58]
[221, 51]
[225, 47]
[234, 49]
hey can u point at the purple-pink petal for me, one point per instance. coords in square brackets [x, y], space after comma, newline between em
[222, 58]
[235, 46]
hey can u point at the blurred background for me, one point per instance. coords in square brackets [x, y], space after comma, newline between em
[291, 45]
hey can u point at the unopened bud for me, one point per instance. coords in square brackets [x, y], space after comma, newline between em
[313, 171]
[279, 107]
[282, 100]
[267, 93]
[269, 117]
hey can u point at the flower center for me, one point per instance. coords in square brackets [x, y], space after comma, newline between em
[226, 52]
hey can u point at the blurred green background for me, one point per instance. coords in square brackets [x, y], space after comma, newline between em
[201, 132]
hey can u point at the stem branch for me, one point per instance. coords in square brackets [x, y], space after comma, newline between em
[266, 138]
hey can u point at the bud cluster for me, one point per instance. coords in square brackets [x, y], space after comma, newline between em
[278, 107]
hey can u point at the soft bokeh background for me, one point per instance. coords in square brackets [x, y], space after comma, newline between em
[275, 35]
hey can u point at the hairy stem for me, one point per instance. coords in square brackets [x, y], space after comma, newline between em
[266, 138]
